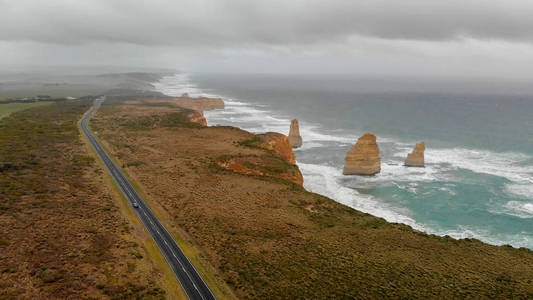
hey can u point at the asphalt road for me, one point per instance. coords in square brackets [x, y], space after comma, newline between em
[187, 275]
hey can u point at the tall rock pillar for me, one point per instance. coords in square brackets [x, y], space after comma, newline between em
[416, 158]
[363, 158]
[294, 134]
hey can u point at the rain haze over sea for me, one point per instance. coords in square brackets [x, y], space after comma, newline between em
[478, 179]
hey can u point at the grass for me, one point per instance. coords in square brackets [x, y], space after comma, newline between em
[273, 165]
[124, 205]
[214, 282]
[269, 240]
[171, 283]
[169, 120]
[59, 92]
[217, 286]
[9, 108]
[58, 219]
[254, 142]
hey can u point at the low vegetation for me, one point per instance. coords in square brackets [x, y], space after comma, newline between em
[173, 119]
[253, 142]
[7, 109]
[267, 239]
[61, 232]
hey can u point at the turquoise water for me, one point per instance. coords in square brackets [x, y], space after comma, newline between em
[478, 179]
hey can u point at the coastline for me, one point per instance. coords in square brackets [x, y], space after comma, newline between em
[446, 167]
[258, 232]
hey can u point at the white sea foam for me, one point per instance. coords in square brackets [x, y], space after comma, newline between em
[324, 180]
[512, 166]
[448, 190]
[525, 239]
[394, 171]
[519, 209]
[178, 84]
[257, 120]
[251, 117]
[329, 181]
[309, 145]
[508, 165]
[313, 133]
[248, 117]
[521, 190]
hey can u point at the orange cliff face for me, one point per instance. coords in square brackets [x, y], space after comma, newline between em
[197, 117]
[253, 165]
[363, 158]
[282, 164]
[280, 144]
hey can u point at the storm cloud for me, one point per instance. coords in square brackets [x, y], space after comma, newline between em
[224, 22]
[474, 36]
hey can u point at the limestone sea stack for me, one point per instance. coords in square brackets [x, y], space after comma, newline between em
[416, 158]
[363, 158]
[294, 134]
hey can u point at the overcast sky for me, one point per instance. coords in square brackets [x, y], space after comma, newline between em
[491, 38]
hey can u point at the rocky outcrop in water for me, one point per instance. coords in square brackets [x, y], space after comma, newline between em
[363, 158]
[278, 143]
[294, 135]
[416, 158]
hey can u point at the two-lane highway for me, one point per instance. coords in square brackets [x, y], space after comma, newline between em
[187, 275]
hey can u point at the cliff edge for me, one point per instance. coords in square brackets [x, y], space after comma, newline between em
[199, 104]
[280, 144]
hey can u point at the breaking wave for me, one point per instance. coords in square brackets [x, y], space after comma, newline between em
[326, 178]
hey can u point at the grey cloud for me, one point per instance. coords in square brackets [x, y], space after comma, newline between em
[224, 23]
[491, 38]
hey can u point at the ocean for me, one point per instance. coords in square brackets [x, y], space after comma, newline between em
[478, 179]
